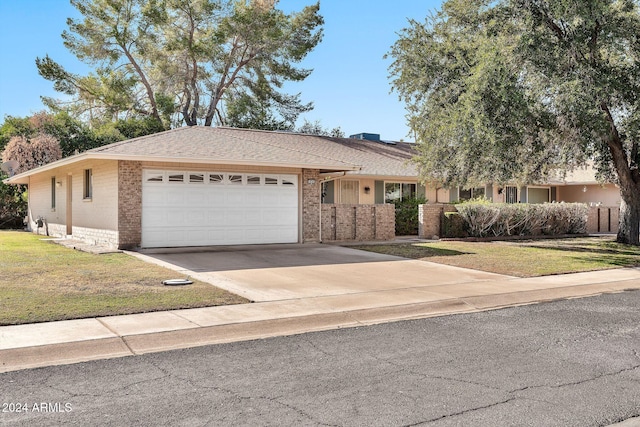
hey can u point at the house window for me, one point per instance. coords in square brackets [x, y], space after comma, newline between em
[349, 192]
[196, 178]
[511, 194]
[216, 178]
[53, 192]
[176, 177]
[235, 179]
[470, 193]
[270, 180]
[87, 191]
[538, 194]
[397, 191]
[328, 193]
[253, 180]
[154, 177]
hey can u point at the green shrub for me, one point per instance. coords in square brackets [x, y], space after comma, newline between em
[13, 204]
[407, 216]
[453, 225]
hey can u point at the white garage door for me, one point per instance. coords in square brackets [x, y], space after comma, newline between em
[183, 208]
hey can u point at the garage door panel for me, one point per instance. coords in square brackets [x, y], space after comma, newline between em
[176, 217]
[215, 197]
[196, 217]
[210, 212]
[175, 196]
[155, 197]
[194, 197]
[215, 216]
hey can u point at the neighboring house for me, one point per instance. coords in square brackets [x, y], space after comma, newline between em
[579, 186]
[200, 186]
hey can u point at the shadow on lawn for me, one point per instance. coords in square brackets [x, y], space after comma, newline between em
[614, 261]
[592, 248]
[413, 251]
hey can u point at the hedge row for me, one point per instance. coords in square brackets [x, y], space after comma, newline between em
[483, 219]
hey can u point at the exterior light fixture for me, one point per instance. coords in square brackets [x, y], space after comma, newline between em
[58, 184]
[311, 181]
[584, 189]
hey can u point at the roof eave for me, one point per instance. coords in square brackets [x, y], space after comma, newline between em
[22, 178]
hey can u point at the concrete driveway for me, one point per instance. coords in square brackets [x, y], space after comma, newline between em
[281, 272]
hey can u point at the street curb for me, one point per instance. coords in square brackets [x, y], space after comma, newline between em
[136, 344]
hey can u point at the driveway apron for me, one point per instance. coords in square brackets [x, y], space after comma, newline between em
[282, 272]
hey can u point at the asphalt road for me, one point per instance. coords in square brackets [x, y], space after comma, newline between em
[568, 363]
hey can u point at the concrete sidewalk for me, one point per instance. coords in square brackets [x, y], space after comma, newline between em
[44, 344]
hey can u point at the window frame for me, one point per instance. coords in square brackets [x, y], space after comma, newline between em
[413, 192]
[53, 193]
[356, 189]
[472, 191]
[87, 184]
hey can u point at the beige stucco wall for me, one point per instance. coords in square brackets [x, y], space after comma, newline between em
[99, 212]
[437, 194]
[606, 195]
[369, 198]
[40, 202]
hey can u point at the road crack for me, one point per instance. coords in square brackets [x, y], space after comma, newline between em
[466, 411]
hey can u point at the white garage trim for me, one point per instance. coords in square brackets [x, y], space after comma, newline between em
[196, 208]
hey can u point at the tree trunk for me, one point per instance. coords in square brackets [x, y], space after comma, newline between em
[629, 181]
[629, 224]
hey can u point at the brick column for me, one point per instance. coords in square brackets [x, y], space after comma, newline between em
[129, 204]
[429, 217]
[310, 205]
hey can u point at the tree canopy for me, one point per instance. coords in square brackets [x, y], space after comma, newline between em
[194, 62]
[519, 91]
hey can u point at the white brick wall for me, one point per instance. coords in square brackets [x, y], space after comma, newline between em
[95, 236]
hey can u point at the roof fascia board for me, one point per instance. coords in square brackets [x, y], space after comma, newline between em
[103, 156]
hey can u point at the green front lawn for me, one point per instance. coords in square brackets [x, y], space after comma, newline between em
[41, 281]
[522, 258]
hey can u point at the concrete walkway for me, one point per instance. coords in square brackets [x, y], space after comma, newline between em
[63, 342]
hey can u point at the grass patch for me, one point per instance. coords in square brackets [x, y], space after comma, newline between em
[42, 282]
[522, 258]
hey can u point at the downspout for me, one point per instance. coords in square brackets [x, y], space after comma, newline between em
[320, 212]
[29, 214]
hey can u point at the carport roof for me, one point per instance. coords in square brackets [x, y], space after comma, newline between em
[222, 145]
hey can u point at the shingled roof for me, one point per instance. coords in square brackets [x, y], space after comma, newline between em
[225, 145]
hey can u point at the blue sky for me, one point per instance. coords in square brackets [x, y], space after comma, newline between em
[349, 86]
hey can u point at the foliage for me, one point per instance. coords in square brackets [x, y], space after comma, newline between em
[13, 204]
[14, 126]
[316, 128]
[407, 215]
[198, 62]
[73, 135]
[32, 152]
[508, 219]
[453, 225]
[524, 90]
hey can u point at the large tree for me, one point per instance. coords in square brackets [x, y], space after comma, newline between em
[187, 59]
[524, 90]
